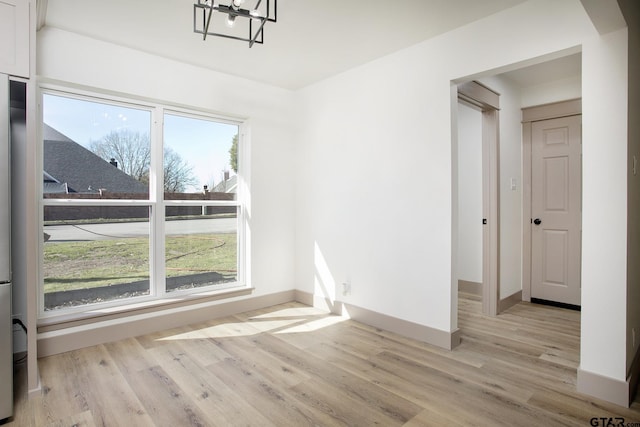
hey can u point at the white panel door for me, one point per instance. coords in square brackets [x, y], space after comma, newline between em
[556, 208]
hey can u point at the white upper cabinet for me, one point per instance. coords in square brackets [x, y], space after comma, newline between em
[14, 37]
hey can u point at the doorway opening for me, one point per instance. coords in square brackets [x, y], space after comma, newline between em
[478, 171]
[558, 79]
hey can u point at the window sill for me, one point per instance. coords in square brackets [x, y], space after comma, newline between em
[54, 323]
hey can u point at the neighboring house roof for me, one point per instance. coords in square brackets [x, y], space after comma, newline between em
[71, 167]
[52, 185]
[228, 186]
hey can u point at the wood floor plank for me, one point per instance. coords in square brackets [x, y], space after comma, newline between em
[508, 371]
[526, 364]
[459, 370]
[380, 376]
[227, 327]
[491, 404]
[525, 335]
[289, 310]
[504, 344]
[198, 343]
[386, 340]
[164, 401]
[212, 395]
[271, 368]
[306, 334]
[348, 410]
[276, 404]
[62, 394]
[83, 419]
[580, 409]
[294, 365]
[107, 393]
[129, 356]
[429, 418]
[159, 338]
[376, 398]
[569, 359]
[364, 363]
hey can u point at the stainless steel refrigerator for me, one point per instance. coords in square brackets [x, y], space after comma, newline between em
[6, 344]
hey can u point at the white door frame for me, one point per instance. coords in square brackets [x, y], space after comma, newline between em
[488, 101]
[529, 115]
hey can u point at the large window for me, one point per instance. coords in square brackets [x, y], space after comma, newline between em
[201, 239]
[139, 201]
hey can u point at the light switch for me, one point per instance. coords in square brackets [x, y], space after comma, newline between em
[514, 183]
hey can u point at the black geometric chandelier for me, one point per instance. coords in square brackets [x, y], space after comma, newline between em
[239, 20]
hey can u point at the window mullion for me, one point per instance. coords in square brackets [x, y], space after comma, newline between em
[158, 273]
[243, 213]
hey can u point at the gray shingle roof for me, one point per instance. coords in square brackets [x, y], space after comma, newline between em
[228, 186]
[67, 162]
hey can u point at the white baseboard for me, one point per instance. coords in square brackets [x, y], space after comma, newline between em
[605, 388]
[37, 391]
[473, 288]
[305, 298]
[75, 337]
[317, 301]
[619, 392]
[437, 337]
[509, 301]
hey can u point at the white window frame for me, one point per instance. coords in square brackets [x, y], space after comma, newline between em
[156, 203]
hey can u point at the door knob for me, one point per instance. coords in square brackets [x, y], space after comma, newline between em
[537, 221]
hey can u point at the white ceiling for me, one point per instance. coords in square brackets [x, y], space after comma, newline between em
[312, 40]
[557, 69]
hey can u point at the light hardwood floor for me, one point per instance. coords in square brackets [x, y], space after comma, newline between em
[292, 365]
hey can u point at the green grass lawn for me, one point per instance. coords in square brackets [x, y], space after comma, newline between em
[78, 265]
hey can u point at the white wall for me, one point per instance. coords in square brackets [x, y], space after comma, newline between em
[554, 91]
[469, 193]
[374, 170]
[68, 57]
[604, 205]
[375, 175]
[631, 10]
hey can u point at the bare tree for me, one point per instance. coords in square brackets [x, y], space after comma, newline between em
[178, 174]
[132, 151]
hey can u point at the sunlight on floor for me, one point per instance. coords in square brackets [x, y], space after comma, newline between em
[224, 330]
[284, 321]
[314, 325]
